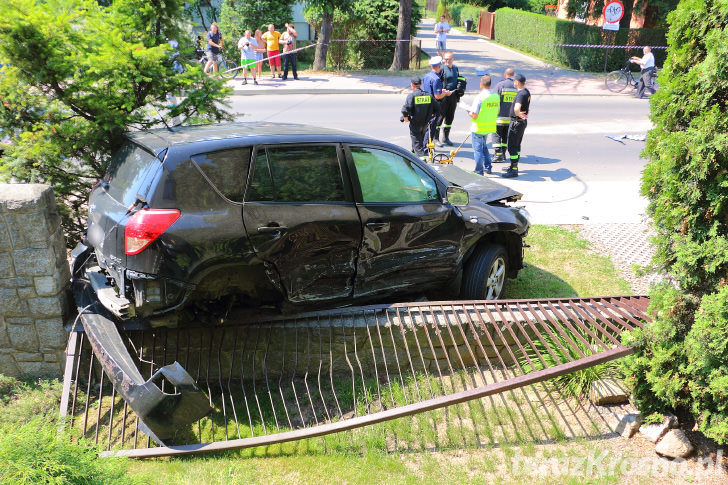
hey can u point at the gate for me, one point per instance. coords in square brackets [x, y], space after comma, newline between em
[278, 379]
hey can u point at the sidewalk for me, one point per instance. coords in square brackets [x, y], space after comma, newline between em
[472, 53]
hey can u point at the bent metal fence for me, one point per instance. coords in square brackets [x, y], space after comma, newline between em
[282, 379]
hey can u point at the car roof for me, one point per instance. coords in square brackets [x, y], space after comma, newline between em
[160, 139]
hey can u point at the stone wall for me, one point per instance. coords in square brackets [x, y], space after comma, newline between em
[34, 282]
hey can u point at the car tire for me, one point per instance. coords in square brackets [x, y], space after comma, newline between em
[486, 273]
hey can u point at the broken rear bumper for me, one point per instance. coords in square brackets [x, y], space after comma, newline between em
[162, 413]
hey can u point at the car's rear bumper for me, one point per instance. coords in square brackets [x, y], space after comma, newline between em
[162, 412]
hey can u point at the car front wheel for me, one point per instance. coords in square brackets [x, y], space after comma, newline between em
[485, 274]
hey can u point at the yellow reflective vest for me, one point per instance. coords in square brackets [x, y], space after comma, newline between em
[487, 115]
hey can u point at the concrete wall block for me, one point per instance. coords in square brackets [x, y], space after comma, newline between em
[40, 369]
[5, 243]
[23, 337]
[51, 285]
[4, 337]
[28, 357]
[34, 226]
[23, 197]
[15, 282]
[8, 366]
[6, 263]
[20, 320]
[46, 306]
[34, 262]
[27, 293]
[51, 358]
[10, 303]
[51, 333]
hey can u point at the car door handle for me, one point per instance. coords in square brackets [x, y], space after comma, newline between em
[270, 229]
[377, 225]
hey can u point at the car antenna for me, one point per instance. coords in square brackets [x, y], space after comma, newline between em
[165, 123]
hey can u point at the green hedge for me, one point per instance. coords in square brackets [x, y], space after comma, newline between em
[537, 33]
[458, 12]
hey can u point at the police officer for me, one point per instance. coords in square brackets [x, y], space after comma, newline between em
[450, 76]
[418, 110]
[519, 115]
[507, 92]
[432, 85]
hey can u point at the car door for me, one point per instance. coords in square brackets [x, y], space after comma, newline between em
[411, 239]
[302, 221]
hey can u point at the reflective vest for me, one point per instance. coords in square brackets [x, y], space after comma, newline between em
[486, 120]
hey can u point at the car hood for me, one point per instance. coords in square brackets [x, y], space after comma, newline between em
[478, 187]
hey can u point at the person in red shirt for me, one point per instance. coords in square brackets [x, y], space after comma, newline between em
[271, 39]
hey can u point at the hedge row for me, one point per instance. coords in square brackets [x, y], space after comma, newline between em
[537, 34]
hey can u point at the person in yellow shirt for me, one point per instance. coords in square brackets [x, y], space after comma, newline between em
[273, 52]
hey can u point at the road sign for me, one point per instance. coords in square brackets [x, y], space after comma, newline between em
[613, 13]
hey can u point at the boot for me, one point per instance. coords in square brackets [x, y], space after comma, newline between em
[500, 155]
[512, 171]
[446, 141]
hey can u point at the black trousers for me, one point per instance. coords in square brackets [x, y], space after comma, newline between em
[500, 139]
[417, 135]
[448, 105]
[515, 135]
[289, 60]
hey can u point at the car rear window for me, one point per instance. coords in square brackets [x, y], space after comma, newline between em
[309, 173]
[128, 171]
[227, 170]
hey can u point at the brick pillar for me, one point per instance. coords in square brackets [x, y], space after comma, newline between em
[34, 282]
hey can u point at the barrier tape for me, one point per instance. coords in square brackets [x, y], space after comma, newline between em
[271, 57]
[605, 46]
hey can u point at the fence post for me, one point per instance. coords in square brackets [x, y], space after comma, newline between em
[419, 49]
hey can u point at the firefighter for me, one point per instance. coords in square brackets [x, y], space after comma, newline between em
[519, 115]
[418, 110]
[507, 93]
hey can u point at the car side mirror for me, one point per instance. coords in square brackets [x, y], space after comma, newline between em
[457, 195]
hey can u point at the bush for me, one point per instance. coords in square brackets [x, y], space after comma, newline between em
[682, 361]
[538, 33]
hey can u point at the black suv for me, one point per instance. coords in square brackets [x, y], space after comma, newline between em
[299, 217]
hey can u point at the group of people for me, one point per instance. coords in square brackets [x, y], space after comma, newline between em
[501, 112]
[253, 48]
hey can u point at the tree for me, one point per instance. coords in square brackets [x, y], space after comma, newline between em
[404, 27]
[80, 76]
[682, 359]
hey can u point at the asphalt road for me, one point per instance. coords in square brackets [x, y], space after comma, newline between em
[571, 173]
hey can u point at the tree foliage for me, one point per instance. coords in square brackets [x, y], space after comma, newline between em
[80, 76]
[683, 357]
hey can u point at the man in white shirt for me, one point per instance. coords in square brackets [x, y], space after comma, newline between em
[441, 30]
[647, 63]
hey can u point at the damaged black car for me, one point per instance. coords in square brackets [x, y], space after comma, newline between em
[191, 221]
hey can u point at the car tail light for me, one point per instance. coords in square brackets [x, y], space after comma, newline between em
[145, 226]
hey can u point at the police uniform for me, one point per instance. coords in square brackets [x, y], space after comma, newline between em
[419, 108]
[507, 92]
[432, 85]
[448, 104]
[516, 129]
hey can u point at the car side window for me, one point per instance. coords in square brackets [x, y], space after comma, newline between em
[300, 173]
[227, 170]
[387, 177]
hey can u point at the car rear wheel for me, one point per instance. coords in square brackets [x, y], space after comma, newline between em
[485, 274]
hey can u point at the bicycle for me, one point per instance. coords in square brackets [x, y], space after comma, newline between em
[616, 81]
[226, 68]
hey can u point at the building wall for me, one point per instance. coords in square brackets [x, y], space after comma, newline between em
[34, 282]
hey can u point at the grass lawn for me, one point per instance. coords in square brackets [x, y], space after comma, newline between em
[480, 441]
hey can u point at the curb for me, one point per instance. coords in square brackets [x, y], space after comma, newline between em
[277, 91]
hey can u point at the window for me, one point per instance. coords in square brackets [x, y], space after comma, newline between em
[227, 170]
[127, 172]
[297, 174]
[387, 177]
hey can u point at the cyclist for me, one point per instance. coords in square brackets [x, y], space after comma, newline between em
[647, 63]
[214, 46]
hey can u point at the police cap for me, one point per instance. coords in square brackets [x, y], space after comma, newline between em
[416, 80]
